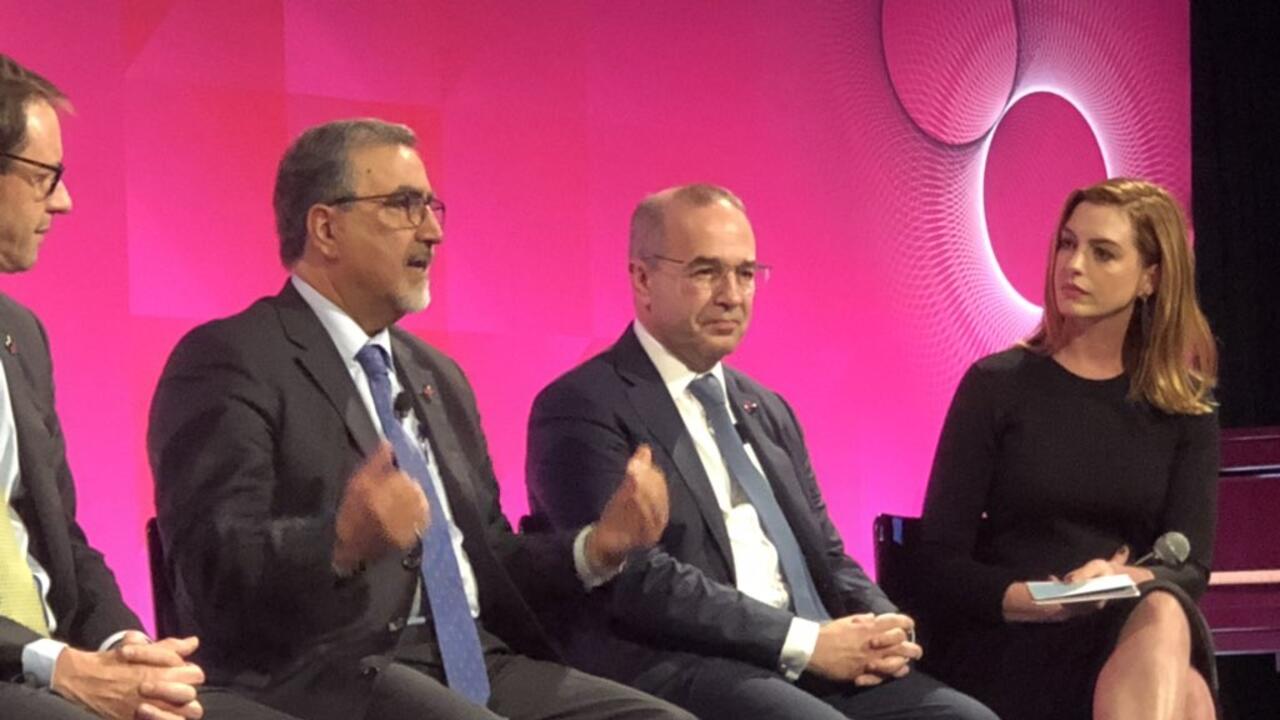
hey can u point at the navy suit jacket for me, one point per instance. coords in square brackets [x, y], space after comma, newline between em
[255, 428]
[83, 592]
[680, 597]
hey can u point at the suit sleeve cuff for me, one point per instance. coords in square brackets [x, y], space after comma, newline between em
[797, 648]
[39, 658]
[591, 577]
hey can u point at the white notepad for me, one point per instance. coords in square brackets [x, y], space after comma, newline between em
[1107, 587]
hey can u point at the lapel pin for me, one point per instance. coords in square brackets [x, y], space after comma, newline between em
[750, 406]
[428, 393]
[10, 345]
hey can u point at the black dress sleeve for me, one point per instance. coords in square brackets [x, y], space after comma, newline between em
[1192, 503]
[963, 468]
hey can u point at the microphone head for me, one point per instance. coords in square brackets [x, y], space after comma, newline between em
[1172, 548]
[402, 404]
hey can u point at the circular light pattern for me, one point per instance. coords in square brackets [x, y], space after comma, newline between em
[1112, 101]
[951, 66]
[1042, 149]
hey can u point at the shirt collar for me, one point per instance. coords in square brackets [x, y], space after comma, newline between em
[346, 333]
[675, 374]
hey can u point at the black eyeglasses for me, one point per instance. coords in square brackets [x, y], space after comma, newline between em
[413, 204]
[53, 179]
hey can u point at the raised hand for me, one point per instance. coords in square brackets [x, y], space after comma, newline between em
[635, 516]
[382, 509]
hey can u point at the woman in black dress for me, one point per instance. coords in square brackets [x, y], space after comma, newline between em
[1068, 456]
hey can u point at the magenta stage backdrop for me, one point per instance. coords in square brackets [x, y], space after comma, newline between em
[903, 163]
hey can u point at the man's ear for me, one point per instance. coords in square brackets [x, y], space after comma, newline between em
[322, 230]
[640, 279]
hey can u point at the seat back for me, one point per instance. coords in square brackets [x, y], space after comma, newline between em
[897, 539]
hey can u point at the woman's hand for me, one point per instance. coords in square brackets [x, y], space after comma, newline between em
[1019, 607]
[1117, 565]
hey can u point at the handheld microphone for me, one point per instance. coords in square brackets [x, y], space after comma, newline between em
[1171, 549]
[402, 404]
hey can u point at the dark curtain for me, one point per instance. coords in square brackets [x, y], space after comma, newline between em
[1235, 130]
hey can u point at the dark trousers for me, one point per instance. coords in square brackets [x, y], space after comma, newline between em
[722, 688]
[412, 687]
[22, 702]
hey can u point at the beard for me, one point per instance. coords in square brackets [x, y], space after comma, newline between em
[415, 301]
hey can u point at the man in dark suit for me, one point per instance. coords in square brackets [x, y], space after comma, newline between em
[69, 647]
[749, 606]
[325, 493]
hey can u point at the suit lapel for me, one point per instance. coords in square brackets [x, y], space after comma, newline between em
[749, 412]
[420, 382]
[319, 360]
[652, 402]
[503, 608]
[46, 521]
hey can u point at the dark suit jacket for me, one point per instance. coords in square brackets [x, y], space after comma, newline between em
[255, 428]
[83, 592]
[679, 597]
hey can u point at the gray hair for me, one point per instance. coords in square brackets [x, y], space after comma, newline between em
[317, 169]
[648, 217]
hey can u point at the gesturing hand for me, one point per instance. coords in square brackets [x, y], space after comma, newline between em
[635, 516]
[382, 508]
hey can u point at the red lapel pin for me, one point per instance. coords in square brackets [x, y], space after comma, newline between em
[10, 345]
[428, 392]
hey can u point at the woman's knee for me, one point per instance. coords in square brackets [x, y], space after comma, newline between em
[1166, 610]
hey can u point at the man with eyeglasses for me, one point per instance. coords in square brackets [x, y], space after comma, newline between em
[69, 647]
[748, 606]
[328, 505]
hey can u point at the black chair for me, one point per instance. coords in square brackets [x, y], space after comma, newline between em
[896, 539]
[166, 611]
[530, 524]
[897, 542]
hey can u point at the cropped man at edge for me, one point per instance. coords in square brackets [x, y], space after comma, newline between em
[69, 647]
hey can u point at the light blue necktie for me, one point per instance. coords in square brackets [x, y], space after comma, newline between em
[804, 595]
[455, 629]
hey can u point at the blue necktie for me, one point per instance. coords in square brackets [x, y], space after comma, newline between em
[804, 595]
[455, 629]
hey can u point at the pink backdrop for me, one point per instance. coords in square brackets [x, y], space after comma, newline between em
[903, 163]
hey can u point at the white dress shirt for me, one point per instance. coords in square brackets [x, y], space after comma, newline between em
[755, 559]
[349, 338]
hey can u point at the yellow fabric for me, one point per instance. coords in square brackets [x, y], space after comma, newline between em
[19, 596]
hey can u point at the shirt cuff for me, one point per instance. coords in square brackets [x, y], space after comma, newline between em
[39, 658]
[797, 648]
[111, 640]
[591, 578]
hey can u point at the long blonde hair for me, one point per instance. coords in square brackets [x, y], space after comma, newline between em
[1169, 351]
